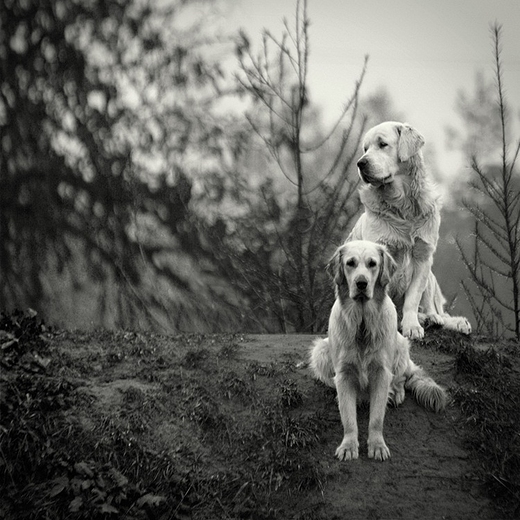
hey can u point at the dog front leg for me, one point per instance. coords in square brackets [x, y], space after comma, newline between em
[346, 385]
[379, 382]
[410, 324]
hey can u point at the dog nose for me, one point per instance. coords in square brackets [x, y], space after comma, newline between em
[361, 164]
[361, 284]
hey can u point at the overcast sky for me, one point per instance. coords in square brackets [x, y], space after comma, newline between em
[422, 51]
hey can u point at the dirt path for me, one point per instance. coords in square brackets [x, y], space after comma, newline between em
[217, 410]
[429, 474]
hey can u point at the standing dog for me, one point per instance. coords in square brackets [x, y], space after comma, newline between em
[402, 211]
[365, 353]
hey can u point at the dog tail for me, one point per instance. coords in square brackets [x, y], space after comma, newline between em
[320, 362]
[424, 389]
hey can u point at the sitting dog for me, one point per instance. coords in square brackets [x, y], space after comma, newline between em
[402, 211]
[365, 354]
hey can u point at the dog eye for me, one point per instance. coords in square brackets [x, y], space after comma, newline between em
[351, 263]
[372, 263]
[383, 144]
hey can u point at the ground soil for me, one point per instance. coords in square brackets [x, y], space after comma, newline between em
[430, 475]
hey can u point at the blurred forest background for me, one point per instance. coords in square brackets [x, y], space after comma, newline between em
[155, 174]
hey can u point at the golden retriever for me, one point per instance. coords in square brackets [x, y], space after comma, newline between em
[402, 211]
[365, 353]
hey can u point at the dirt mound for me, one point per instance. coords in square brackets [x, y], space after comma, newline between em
[429, 474]
[138, 425]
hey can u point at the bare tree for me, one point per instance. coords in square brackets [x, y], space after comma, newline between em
[494, 263]
[323, 183]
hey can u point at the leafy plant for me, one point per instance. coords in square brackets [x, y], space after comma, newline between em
[94, 491]
[43, 469]
[22, 341]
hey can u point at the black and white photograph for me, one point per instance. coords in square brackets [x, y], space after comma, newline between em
[259, 259]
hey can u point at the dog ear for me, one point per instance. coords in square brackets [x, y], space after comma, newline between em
[335, 268]
[410, 142]
[388, 266]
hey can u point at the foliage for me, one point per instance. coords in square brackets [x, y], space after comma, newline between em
[488, 397]
[102, 108]
[22, 341]
[131, 199]
[307, 204]
[39, 475]
[66, 456]
[494, 263]
[486, 391]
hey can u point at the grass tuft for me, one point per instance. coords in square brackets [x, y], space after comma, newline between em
[488, 396]
[289, 395]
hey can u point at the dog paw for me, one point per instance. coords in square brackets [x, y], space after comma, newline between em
[378, 450]
[458, 323]
[396, 397]
[411, 327]
[414, 331]
[464, 326]
[348, 450]
[435, 319]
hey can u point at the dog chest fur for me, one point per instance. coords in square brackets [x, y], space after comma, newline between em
[357, 338]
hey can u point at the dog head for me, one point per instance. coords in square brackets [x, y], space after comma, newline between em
[362, 269]
[387, 148]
